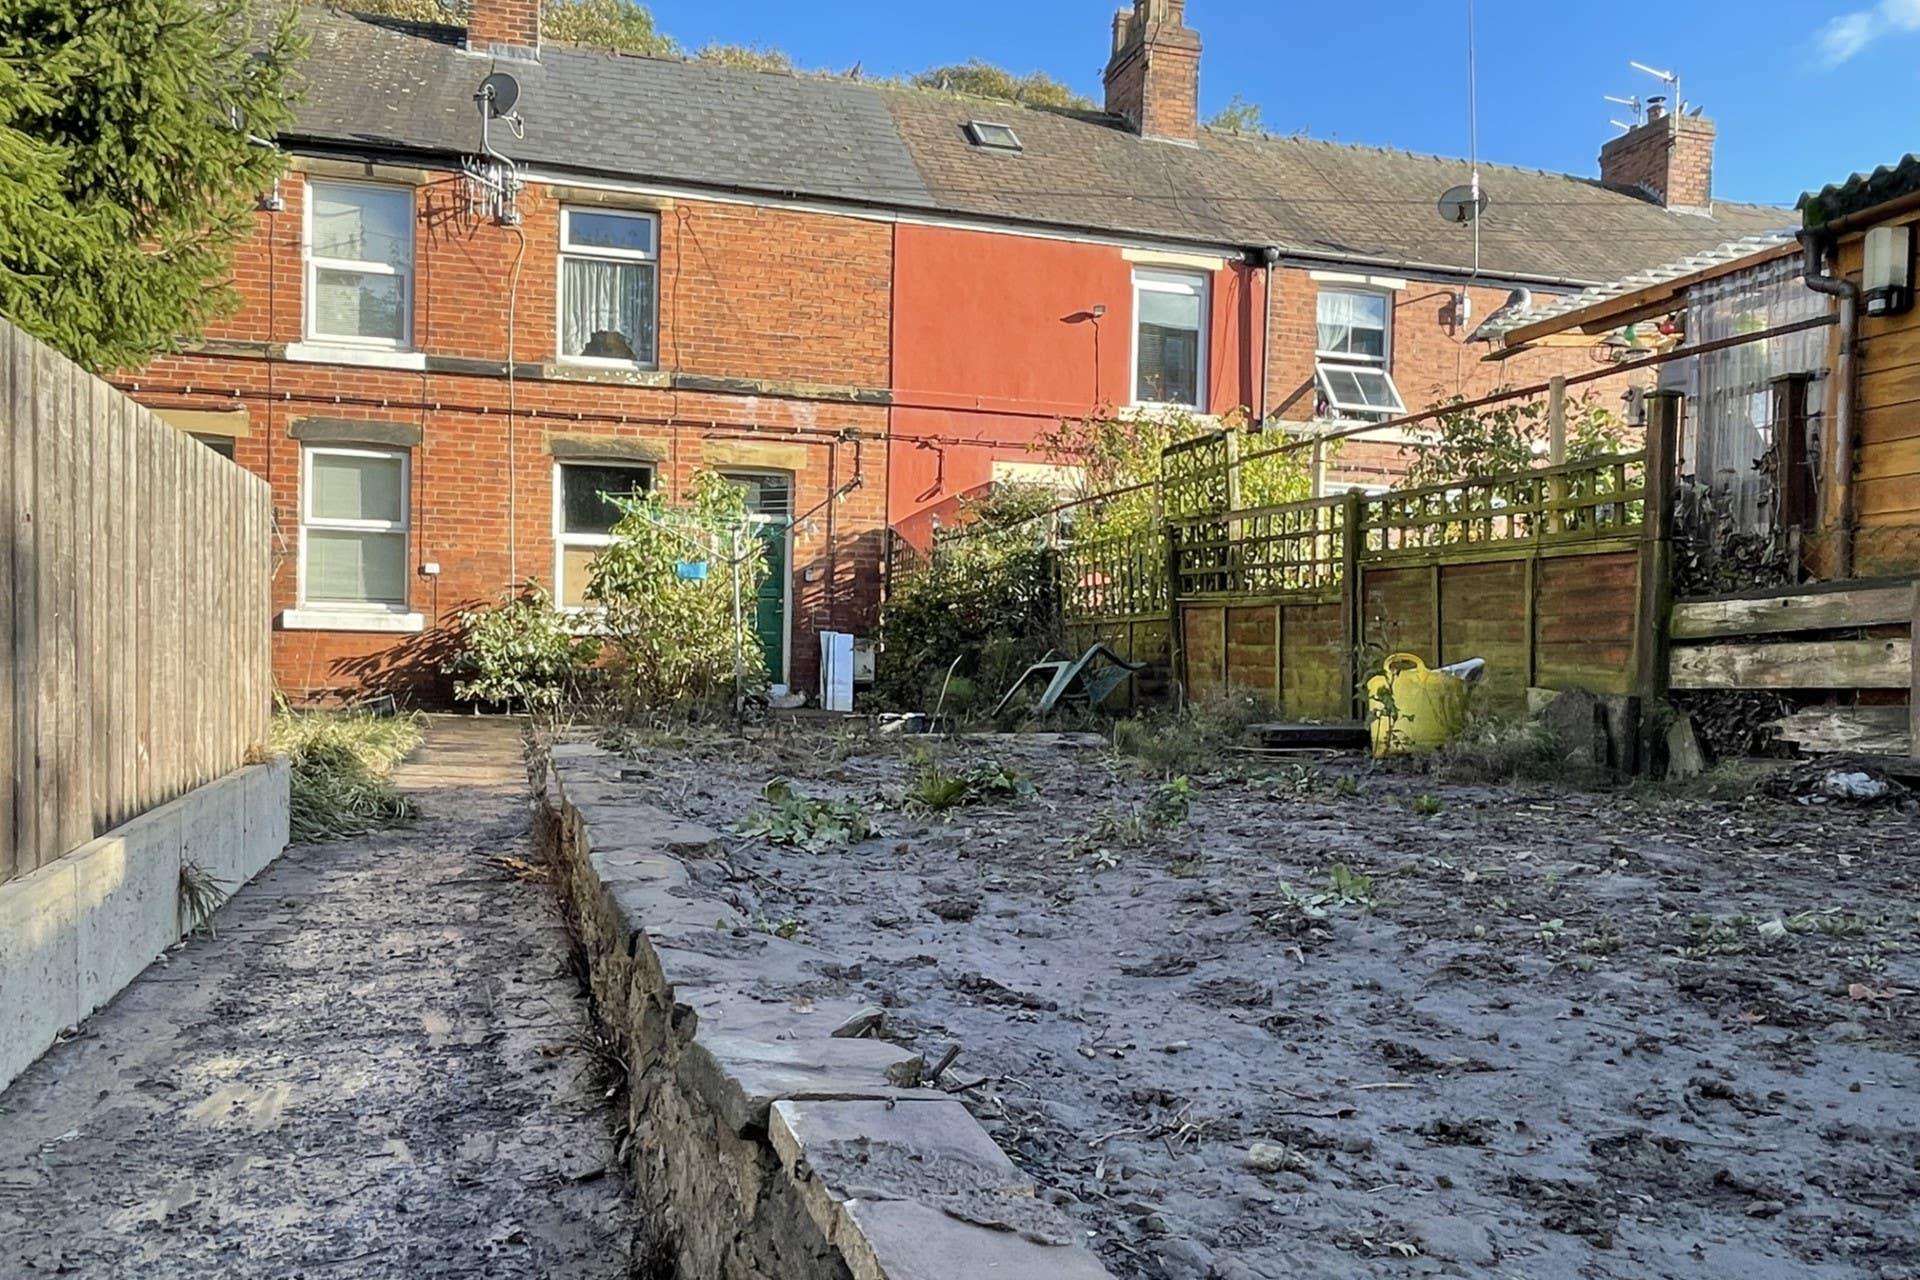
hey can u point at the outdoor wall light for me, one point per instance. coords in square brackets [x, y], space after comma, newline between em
[1886, 287]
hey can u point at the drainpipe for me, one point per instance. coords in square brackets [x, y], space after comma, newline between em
[1268, 257]
[1815, 242]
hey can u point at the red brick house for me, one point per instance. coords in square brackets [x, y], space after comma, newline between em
[860, 301]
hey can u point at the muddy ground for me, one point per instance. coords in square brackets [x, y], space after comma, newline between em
[374, 1068]
[1534, 1033]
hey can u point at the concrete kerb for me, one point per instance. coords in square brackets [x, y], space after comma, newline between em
[765, 1144]
[75, 932]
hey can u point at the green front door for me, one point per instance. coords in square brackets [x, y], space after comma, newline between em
[770, 503]
[770, 604]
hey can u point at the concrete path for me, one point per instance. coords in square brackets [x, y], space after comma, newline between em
[373, 1070]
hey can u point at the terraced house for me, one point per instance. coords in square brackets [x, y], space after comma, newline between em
[471, 311]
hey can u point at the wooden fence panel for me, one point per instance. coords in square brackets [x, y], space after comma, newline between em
[1253, 643]
[1485, 613]
[1313, 662]
[1586, 618]
[133, 611]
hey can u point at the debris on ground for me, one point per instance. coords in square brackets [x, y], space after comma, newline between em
[1537, 1032]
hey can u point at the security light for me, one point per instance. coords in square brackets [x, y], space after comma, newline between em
[1886, 286]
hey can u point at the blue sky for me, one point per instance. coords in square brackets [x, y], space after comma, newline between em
[1804, 92]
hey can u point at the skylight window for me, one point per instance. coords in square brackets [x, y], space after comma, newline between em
[1363, 392]
[993, 137]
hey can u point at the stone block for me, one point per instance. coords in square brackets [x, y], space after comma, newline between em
[907, 1240]
[740, 1078]
[873, 1150]
[127, 901]
[39, 964]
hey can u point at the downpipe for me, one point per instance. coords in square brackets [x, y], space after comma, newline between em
[1815, 243]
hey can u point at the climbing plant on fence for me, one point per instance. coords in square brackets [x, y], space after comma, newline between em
[1467, 444]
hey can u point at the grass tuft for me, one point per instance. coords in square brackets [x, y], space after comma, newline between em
[200, 896]
[1193, 741]
[341, 765]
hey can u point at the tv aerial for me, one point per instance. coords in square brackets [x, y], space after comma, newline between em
[1463, 205]
[492, 179]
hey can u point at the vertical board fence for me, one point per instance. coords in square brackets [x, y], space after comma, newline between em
[133, 607]
[1542, 572]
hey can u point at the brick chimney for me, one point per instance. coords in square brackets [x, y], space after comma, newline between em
[1153, 78]
[1668, 159]
[504, 26]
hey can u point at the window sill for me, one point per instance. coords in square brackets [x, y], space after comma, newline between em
[368, 357]
[350, 620]
[1156, 411]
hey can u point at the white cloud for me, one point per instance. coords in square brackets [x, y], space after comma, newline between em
[1848, 34]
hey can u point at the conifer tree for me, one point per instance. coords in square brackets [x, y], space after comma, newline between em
[135, 138]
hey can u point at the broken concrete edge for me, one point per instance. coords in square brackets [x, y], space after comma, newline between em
[753, 1109]
[78, 930]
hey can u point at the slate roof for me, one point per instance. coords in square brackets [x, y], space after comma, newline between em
[375, 83]
[1861, 191]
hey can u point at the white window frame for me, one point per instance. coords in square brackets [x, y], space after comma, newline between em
[402, 526]
[314, 263]
[562, 540]
[602, 254]
[1160, 280]
[1325, 362]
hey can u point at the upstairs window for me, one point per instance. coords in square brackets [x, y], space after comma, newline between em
[609, 287]
[1169, 339]
[360, 264]
[353, 529]
[583, 519]
[1355, 351]
[994, 137]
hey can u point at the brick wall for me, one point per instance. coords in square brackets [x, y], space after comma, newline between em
[1431, 360]
[796, 302]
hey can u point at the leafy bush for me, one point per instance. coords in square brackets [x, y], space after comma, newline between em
[792, 818]
[1467, 443]
[986, 595]
[674, 640]
[523, 650]
[339, 763]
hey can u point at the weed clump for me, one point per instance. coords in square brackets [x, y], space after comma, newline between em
[1192, 740]
[934, 789]
[1493, 750]
[340, 767]
[803, 822]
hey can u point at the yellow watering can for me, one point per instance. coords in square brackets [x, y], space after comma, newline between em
[1412, 708]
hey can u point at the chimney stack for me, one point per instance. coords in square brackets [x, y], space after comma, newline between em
[1668, 159]
[510, 27]
[1153, 78]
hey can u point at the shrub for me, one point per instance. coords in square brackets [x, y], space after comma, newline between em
[522, 650]
[935, 790]
[986, 595]
[673, 636]
[1471, 443]
[339, 767]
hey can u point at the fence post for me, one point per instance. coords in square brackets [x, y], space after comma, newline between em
[1176, 649]
[1557, 420]
[1656, 546]
[1352, 541]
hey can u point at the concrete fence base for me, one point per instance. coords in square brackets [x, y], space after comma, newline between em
[79, 929]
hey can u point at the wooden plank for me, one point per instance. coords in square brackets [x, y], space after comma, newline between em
[1879, 427]
[53, 462]
[1888, 460]
[1913, 682]
[1893, 496]
[1804, 664]
[1890, 384]
[9, 855]
[149, 626]
[1773, 614]
[1879, 730]
[96, 554]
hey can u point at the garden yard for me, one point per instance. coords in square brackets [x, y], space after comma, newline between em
[1274, 1019]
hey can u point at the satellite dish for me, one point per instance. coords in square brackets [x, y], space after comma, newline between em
[1460, 207]
[499, 91]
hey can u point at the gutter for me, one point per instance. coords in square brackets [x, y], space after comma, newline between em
[1815, 242]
